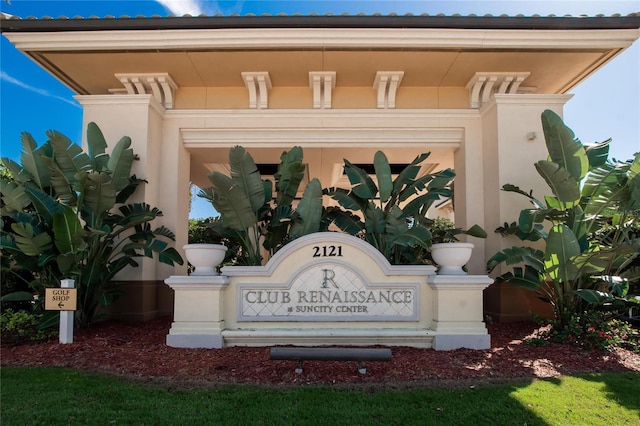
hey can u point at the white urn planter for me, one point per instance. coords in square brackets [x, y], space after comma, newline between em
[205, 258]
[451, 257]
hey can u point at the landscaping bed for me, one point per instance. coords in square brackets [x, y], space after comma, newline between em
[139, 351]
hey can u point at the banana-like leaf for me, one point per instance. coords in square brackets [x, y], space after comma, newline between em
[289, 175]
[62, 186]
[33, 163]
[561, 182]
[232, 202]
[529, 218]
[164, 232]
[362, 184]
[346, 199]
[67, 231]
[515, 255]
[383, 175]
[28, 241]
[246, 178]
[513, 188]
[124, 194]
[14, 197]
[98, 191]
[562, 246]
[409, 173]
[309, 211]
[420, 204]
[70, 157]
[344, 220]
[526, 277]
[594, 296]
[633, 183]
[17, 296]
[45, 205]
[598, 153]
[120, 163]
[476, 231]
[564, 148]
[97, 146]
[18, 173]
[136, 214]
[374, 220]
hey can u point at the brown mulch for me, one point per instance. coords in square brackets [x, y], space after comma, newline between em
[139, 352]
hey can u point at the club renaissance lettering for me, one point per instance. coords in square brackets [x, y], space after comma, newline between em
[329, 292]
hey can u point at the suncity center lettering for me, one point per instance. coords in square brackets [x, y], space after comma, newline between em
[329, 291]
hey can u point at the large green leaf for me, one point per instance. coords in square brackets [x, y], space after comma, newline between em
[344, 220]
[231, 202]
[564, 149]
[44, 204]
[513, 188]
[346, 199]
[67, 231]
[28, 241]
[362, 184]
[245, 177]
[62, 186]
[383, 175]
[97, 146]
[289, 175]
[33, 163]
[598, 154]
[137, 214]
[562, 245]
[120, 163]
[562, 183]
[408, 174]
[69, 156]
[515, 255]
[18, 173]
[526, 277]
[14, 197]
[309, 211]
[97, 190]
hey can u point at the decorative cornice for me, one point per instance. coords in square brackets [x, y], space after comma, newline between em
[160, 85]
[258, 84]
[322, 83]
[485, 84]
[386, 83]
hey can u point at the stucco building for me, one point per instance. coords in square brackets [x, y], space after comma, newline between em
[468, 89]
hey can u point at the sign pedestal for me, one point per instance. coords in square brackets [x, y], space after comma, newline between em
[198, 314]
[329, 289]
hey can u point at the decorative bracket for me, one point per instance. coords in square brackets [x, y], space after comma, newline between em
[322, 82]
[484, 84]
[160, 85]
[258, 85]
[387, 83]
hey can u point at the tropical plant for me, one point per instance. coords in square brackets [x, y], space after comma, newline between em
[392, 213]
[594, 208]
[444, 230]
[248, 212]
[64, 216]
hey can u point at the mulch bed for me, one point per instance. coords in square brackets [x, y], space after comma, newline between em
[139, 352]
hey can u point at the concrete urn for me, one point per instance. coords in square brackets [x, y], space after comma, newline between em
[205, 258]
[451, 257]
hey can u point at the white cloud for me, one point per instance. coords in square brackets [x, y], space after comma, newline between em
[183, 7]
[6, 77]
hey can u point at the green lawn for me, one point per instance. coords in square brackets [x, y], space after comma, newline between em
[50, 396]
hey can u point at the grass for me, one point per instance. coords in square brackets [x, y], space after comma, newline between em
[51, 396]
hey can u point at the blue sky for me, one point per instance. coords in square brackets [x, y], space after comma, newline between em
[606, 105]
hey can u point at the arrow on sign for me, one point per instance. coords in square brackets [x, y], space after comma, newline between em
[60, 305]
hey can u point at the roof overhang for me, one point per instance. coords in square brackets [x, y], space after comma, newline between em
[433, 51]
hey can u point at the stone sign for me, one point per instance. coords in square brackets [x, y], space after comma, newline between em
[327, 288]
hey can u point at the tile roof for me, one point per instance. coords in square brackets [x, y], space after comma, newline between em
[11, 23]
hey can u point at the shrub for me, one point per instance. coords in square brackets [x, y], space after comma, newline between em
[21, 326]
